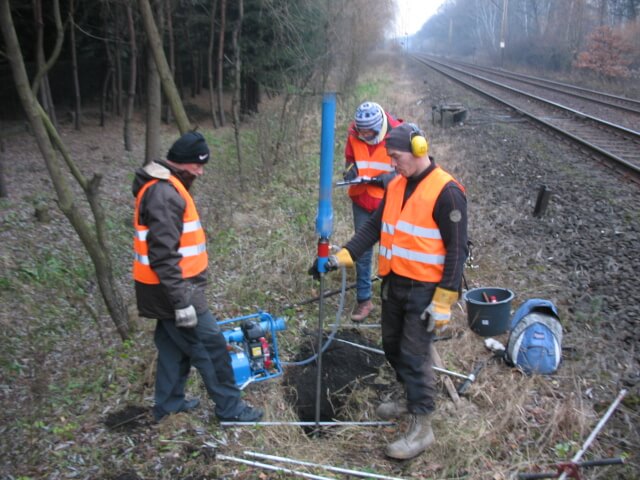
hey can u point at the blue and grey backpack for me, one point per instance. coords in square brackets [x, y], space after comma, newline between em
[535, 341]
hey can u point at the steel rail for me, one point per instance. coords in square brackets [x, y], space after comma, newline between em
[625, 165]
[544, 83]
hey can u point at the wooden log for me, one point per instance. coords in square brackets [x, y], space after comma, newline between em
[448, 384]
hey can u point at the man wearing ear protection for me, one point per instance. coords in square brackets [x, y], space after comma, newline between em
[421, 225]
[366, 157]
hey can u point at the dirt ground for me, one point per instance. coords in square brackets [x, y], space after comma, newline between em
[76, 401]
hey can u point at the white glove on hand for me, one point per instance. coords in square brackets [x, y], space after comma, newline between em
[186, 317]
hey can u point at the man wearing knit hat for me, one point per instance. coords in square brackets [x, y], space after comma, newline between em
[170, 272]
[421, 225]
[366, 158]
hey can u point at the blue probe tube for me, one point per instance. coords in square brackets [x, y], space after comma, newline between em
[324, 219]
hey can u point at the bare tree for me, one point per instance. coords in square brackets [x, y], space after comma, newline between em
[235, 100]
[77, 104]
[41, 81]
[220, 62]
[212, 25]
[131, 90]
[172, 49]
[92, 234]
[154, 97]
[166, 78]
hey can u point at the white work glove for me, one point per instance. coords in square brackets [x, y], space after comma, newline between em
[439, 310]
[186, 317]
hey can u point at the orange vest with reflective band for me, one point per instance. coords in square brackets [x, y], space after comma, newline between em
[410, 241]
[369, 166]
[192, 241]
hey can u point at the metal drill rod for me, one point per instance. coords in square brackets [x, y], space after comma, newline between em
[331, 468]
[307, 424]
[470, 377]
[319, 351]
[272, 467]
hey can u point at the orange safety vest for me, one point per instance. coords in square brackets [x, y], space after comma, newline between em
[369, 166]
[410, 240]
[193, 247]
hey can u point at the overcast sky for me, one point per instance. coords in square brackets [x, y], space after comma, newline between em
[412, 14]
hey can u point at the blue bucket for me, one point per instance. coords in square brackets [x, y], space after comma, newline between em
[488, 318]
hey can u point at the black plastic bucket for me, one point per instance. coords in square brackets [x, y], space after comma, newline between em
[488, 318]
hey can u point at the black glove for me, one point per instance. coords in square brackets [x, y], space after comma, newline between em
[315, 273]
[313, 270]
[376, 182]
[351, 173]
[340, 259]
[383, 179]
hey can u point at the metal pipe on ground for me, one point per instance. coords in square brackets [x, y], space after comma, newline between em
[471, 377]
[331, 468]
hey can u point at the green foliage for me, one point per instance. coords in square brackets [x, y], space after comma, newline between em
[563, 450]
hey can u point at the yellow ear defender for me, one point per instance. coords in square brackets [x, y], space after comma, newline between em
[419, 144]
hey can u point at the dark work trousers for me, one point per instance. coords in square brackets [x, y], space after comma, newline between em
[405, 340]
[205, 348]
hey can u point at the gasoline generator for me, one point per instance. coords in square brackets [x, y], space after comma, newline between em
[253, 347]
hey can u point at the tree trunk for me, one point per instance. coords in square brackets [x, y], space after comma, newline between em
[235, 101]
[3, 183]
[111, 72]
[131, 91]
[154, 99]
[118, 61]
[168, 85]
[172, 55]
[220, 69]
[105, 95]
[77, 105]
[41, 81]
[93, 236]
[212, 108]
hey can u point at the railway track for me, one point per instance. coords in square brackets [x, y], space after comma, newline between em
[617, 145]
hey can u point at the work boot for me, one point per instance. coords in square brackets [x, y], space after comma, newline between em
[391, 410]
[190, 405]
[418, 437]
[159, 413]
[362, 311]
[247, 414]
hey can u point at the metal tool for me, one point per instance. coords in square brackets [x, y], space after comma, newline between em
[355, 181]
[468, 378]
[571, 468]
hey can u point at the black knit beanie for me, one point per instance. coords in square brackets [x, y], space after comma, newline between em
[189, 148]
[399, 138]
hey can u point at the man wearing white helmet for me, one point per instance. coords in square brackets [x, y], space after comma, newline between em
[366, 157]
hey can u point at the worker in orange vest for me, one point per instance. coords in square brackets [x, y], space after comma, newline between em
[367, 161]
[421, 225]
[170, 272]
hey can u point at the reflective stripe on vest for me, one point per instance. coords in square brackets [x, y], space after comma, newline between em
[192, 246]
[410, 240]
[369, 165]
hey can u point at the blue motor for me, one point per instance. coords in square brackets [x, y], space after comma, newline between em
[253, 359]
